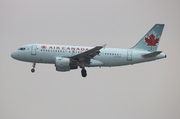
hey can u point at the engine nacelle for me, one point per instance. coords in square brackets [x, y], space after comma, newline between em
[62, 64]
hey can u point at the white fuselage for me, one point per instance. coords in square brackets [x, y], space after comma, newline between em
[43, 53]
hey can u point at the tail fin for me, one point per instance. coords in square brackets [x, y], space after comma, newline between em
[151, 40]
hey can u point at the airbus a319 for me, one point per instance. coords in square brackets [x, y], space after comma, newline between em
[66, 57]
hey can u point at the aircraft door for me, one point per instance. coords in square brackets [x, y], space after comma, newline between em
[33, 50]
[129, 55]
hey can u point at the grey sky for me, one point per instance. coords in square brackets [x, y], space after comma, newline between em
[143, 91]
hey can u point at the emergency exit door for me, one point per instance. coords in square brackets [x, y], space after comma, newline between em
[129, 55]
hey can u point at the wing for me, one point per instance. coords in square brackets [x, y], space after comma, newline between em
[87, 55]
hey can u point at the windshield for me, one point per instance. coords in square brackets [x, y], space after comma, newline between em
[21, 48]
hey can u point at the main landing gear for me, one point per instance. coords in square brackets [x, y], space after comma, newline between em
[33, 69]
[83, 72]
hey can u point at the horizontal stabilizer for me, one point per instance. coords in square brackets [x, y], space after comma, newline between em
[153, 54]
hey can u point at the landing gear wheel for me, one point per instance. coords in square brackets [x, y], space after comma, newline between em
[32, 70]
[83, 73]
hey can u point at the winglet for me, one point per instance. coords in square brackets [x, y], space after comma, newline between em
[103, 46]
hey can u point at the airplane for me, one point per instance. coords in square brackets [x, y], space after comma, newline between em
[66, 58]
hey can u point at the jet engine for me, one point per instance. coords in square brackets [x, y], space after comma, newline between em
[63, 64]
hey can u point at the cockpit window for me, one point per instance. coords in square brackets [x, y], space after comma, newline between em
[21, 48]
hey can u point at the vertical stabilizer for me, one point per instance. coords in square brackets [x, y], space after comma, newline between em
[151, 40]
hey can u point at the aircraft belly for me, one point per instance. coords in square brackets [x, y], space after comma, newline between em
[42, 58]
[109, 61]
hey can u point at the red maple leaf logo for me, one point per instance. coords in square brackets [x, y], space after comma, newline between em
[43, 47]
[152, 41]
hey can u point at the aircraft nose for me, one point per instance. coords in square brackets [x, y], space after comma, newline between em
[14, 55]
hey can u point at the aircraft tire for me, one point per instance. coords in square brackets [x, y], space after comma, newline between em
[32, 70]
[83, 73]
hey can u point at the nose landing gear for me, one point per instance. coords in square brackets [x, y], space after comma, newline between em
[33, 69]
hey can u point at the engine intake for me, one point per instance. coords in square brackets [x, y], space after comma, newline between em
[62, 64]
